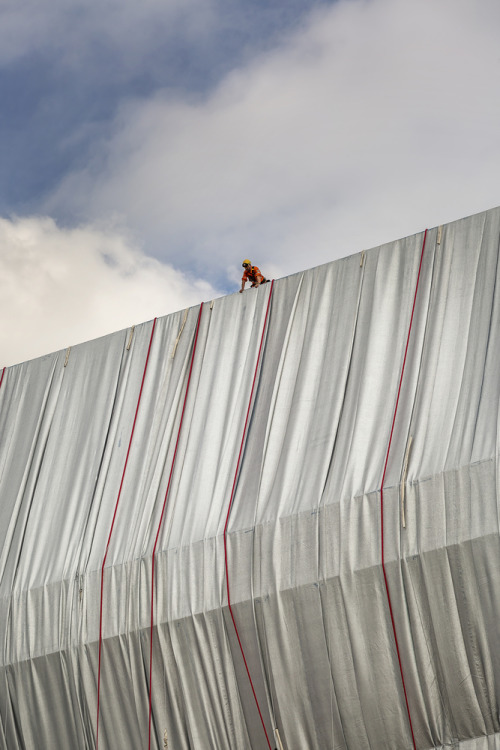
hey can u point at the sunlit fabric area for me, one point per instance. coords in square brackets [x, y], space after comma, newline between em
[267, 521]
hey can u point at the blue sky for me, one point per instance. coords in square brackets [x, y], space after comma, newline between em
[146, 148]
[62, 87]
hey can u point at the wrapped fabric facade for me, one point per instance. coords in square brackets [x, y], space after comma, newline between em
[106, 452]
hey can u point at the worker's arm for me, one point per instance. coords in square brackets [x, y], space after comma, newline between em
[244, 280]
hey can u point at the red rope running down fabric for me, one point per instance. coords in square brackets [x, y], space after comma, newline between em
[229, 512]
[1, 379]
[382, 496]
[111, 531]
[161, 520]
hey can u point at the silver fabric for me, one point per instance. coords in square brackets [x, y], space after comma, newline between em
[304, 534]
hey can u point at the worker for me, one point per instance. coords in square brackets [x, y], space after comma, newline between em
[251, 273]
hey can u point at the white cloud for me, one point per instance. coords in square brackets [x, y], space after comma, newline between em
[375, 120]
[60, 287]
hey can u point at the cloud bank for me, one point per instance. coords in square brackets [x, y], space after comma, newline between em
[359, 122]
[63, 286]
[369, 122]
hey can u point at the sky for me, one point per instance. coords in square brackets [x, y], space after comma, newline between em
[147, 148]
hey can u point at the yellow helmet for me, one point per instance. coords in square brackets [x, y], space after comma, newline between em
[246, 262]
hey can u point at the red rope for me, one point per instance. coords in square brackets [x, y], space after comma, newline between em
[161, 519]
[229, 511]
[111, 531]
[382, 496]
[1, 379]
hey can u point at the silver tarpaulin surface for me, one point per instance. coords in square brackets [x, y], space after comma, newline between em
[283, 399]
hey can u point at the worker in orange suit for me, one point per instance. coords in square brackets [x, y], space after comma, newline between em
[252, 274]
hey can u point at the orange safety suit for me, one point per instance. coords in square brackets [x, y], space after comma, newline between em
[252, 274]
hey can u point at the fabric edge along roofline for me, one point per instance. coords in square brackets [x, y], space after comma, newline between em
[111, 529]
[264, 328]
[161, 520]
[382, 495]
